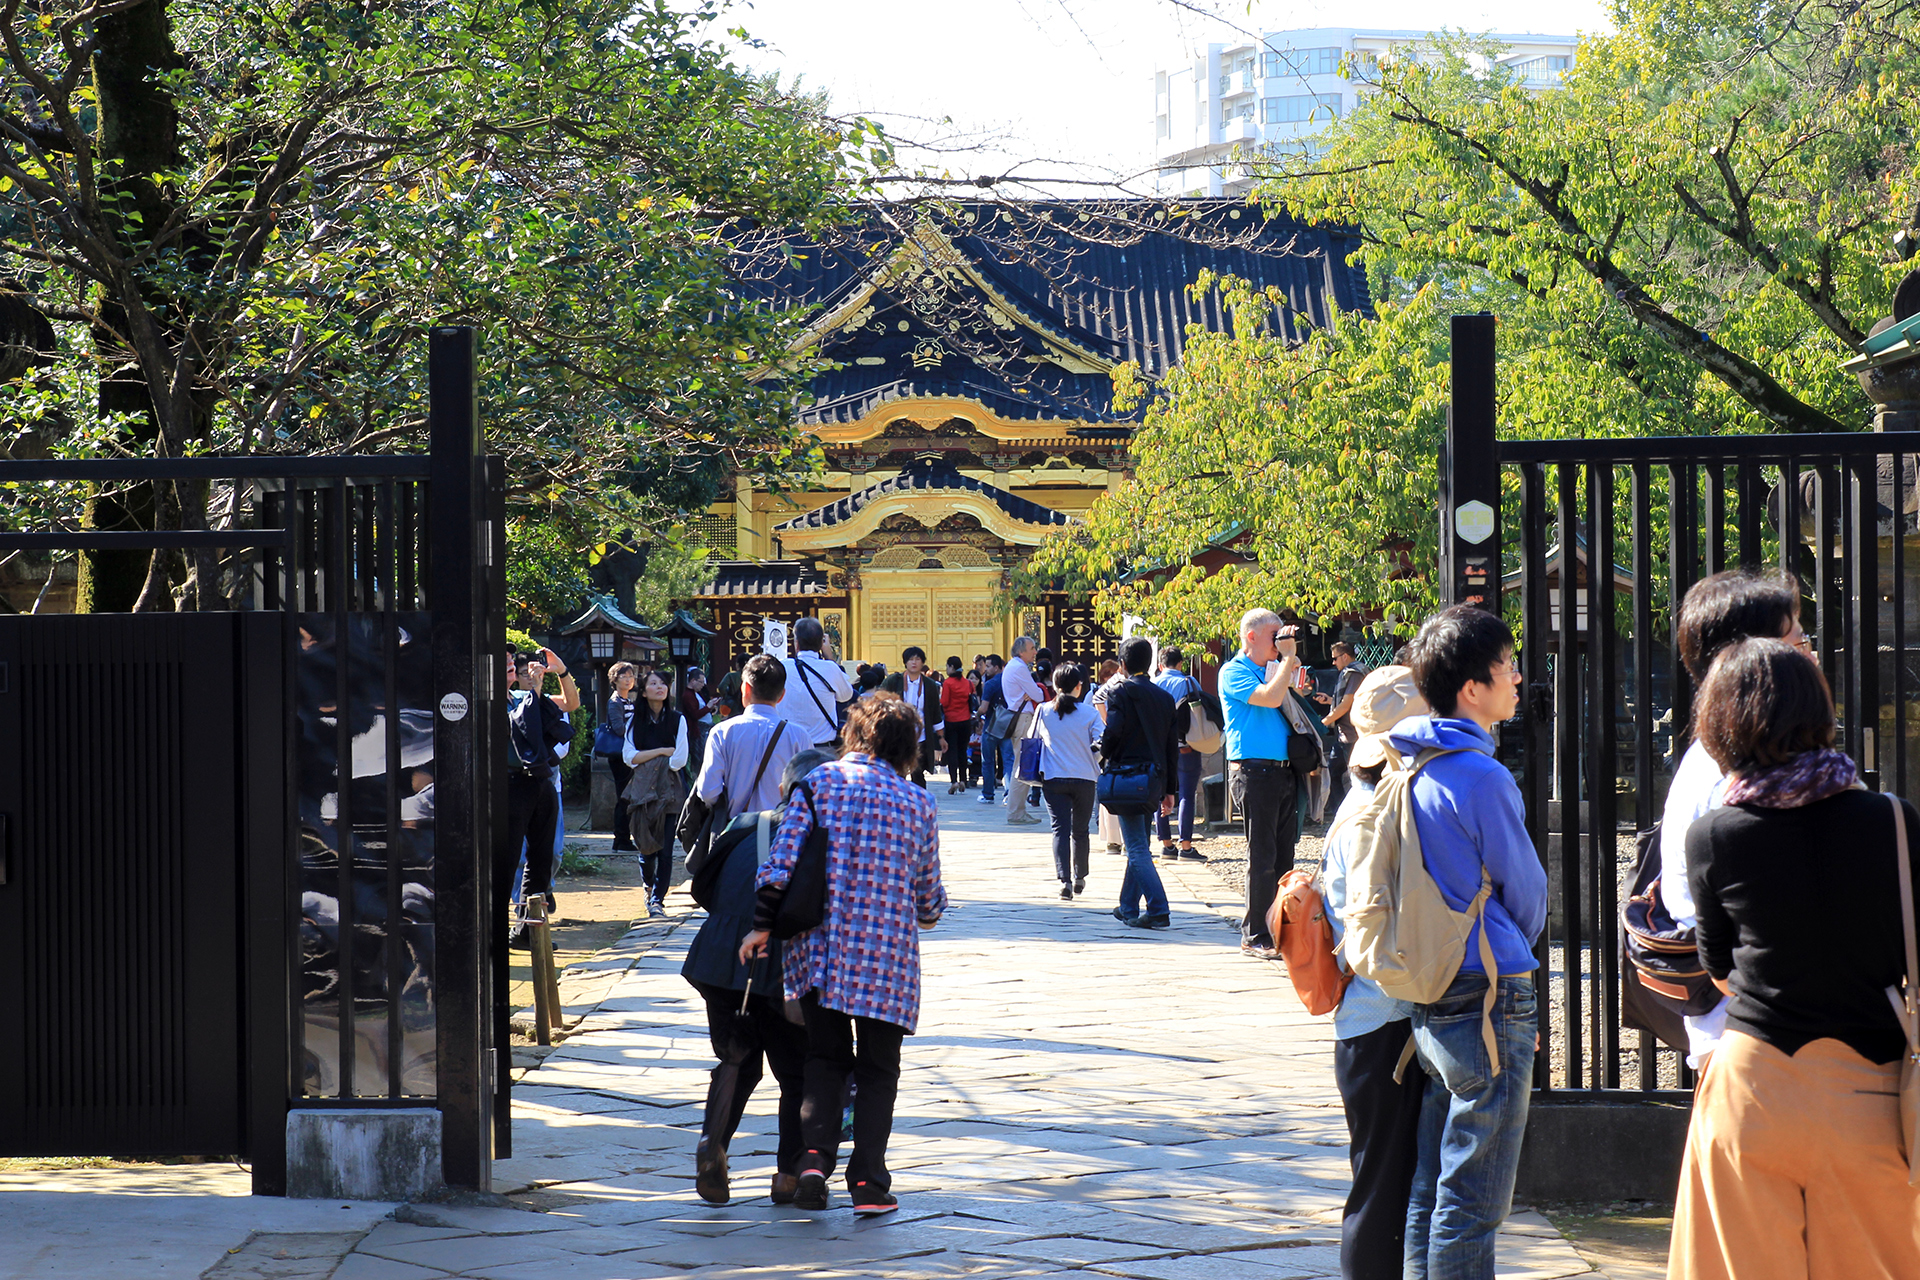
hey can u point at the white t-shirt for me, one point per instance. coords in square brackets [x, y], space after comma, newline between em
[1696, 790]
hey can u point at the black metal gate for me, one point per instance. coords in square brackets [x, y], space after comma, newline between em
[1603, 538]
[243, 855]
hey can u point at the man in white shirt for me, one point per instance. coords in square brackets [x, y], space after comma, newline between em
[814, 708]
[1023, 693]
[923, 695]
[739, 744]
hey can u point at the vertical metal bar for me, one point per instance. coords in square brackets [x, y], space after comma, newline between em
[1642, 647]
[1567, 719]
[405, 543]
[1861, 588]
[396, 914]
[493, 780]
[1470, 471]
[463, 919]
[1897, 784]
[1682, 550]
[1790, 509]
[1716, 518]
[1602, 654]
[1536, 635]
[339, 525]
[272, 559]
[1751, 525]
[1825, 617]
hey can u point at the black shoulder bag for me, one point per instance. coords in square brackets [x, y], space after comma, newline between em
[835, 717]
[697, 817]
[804, 905]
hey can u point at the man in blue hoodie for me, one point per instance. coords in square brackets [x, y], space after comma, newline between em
[1470, 816]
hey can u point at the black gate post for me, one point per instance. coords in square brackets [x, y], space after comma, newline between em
[458, 597]
[1470, 473]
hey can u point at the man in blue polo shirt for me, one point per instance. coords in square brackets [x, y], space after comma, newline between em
[1253, 685]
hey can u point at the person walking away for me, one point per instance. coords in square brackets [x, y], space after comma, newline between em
[921, 690]
[992, 745]
[824, 690]
[1110, 676]
[728, 700]
[956, 708]
[746, 753]
[1179, 685]
[1472, 827]
[976, 731]
[1069, 732]
[1793, 1166]
[1254, 683]
[1143, 727]
[764, 1035]
[1022, 692]
[625, 676]
[1717, 611]
[1370, 1028]
[657, 732]
[537, 724]
[857, 975]
[693, 705]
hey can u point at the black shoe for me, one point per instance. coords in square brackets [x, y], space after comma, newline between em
[710, 1171]
[1193, 855]
[1079, 884]
[869, 1199]
[812, 1191]
[1169, 854]
[784, 1185]
[1066, 891]
[521, 939]
[1123, 917]
[1151, 922]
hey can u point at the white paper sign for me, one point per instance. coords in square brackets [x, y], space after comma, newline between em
[773, 638]
[1473, 521]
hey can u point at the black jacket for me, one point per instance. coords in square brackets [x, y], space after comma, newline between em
[929, 704]
[1144, 724]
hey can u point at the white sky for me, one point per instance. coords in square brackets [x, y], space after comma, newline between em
[1061, 87]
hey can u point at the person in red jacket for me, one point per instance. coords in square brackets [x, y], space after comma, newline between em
[956, 701]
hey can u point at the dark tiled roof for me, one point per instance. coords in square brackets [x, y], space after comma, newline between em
[767, 578]
[603, 609]
[850, 394]
[1112, 277]
[922, 476]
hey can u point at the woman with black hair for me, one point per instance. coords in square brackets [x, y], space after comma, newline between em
[1794, 1165]
[1142, 735]
[1069, 731]
[656, 732]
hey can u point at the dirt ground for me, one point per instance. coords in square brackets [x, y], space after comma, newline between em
[594, 908]
[1626, 1239]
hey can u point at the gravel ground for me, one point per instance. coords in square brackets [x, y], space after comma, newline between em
[1227, 859]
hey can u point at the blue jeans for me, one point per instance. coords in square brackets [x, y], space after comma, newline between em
[1142, 878]
[1188, 782]
[1471, 1126]
[990, 764]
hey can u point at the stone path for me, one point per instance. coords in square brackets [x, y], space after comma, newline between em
[1082, 1098]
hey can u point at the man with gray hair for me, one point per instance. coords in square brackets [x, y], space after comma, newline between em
[1023, 694]
[816, 707]
[1254, 686]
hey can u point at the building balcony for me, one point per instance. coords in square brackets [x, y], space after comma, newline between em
[1240, 129]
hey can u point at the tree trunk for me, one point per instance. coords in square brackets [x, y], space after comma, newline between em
[140, 130]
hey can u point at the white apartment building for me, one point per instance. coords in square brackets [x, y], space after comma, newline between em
[1214, 114]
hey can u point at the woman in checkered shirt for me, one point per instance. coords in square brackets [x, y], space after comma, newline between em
[857, 975]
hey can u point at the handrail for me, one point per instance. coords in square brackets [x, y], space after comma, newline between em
[1709, 449]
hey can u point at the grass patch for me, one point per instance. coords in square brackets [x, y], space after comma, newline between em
[574, 861]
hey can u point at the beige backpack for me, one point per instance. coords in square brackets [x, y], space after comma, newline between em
[1401, 934]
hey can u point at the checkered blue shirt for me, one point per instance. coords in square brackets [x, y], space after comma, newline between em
[883, 876]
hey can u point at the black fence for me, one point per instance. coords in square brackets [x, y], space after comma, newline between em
[1602, 538]
[338, 859]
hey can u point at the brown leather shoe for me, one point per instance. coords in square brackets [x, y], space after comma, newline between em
[784, 1186]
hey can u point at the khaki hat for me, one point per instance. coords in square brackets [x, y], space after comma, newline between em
[1383, 700]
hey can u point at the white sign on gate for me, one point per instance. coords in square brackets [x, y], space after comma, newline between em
[1473, 521]
[773, 638]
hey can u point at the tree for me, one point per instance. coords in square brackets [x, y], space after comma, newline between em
[242, 219]
[1687, 237]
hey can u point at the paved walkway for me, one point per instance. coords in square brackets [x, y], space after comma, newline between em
[1081, 1097]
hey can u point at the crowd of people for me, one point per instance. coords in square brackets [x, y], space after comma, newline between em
[1794, 1164]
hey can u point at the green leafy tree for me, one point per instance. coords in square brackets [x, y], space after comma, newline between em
[1687, 237]
[242, 219]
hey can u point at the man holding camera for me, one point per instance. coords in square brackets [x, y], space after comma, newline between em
[1254, 685]
[536, 724]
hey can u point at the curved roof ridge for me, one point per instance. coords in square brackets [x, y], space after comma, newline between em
[920, 475]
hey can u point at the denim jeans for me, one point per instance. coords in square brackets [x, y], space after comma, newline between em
[990, 765]
[1142, 878]
[1471, 1126]
[1188, 782]
[1069, 801]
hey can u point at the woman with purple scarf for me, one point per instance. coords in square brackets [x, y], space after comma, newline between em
[1793, 1163]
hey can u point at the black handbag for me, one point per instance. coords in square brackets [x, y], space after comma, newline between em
[1128, 786]
[804, 905]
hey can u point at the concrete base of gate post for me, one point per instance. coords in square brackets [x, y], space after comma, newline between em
[385, 1154]
[1602, 1151]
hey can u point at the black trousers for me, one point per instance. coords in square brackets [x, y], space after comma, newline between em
[533, 811]
[656, 869]
[927, 761]
[1070, 804]
[1383, 1129]
[1267, 793]
[957, 734]
[742, 1045]
[622, 774]
[868, 1050]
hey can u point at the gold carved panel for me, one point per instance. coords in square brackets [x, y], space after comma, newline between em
[900, 615]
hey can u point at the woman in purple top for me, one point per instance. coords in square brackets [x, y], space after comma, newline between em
[857, 975]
